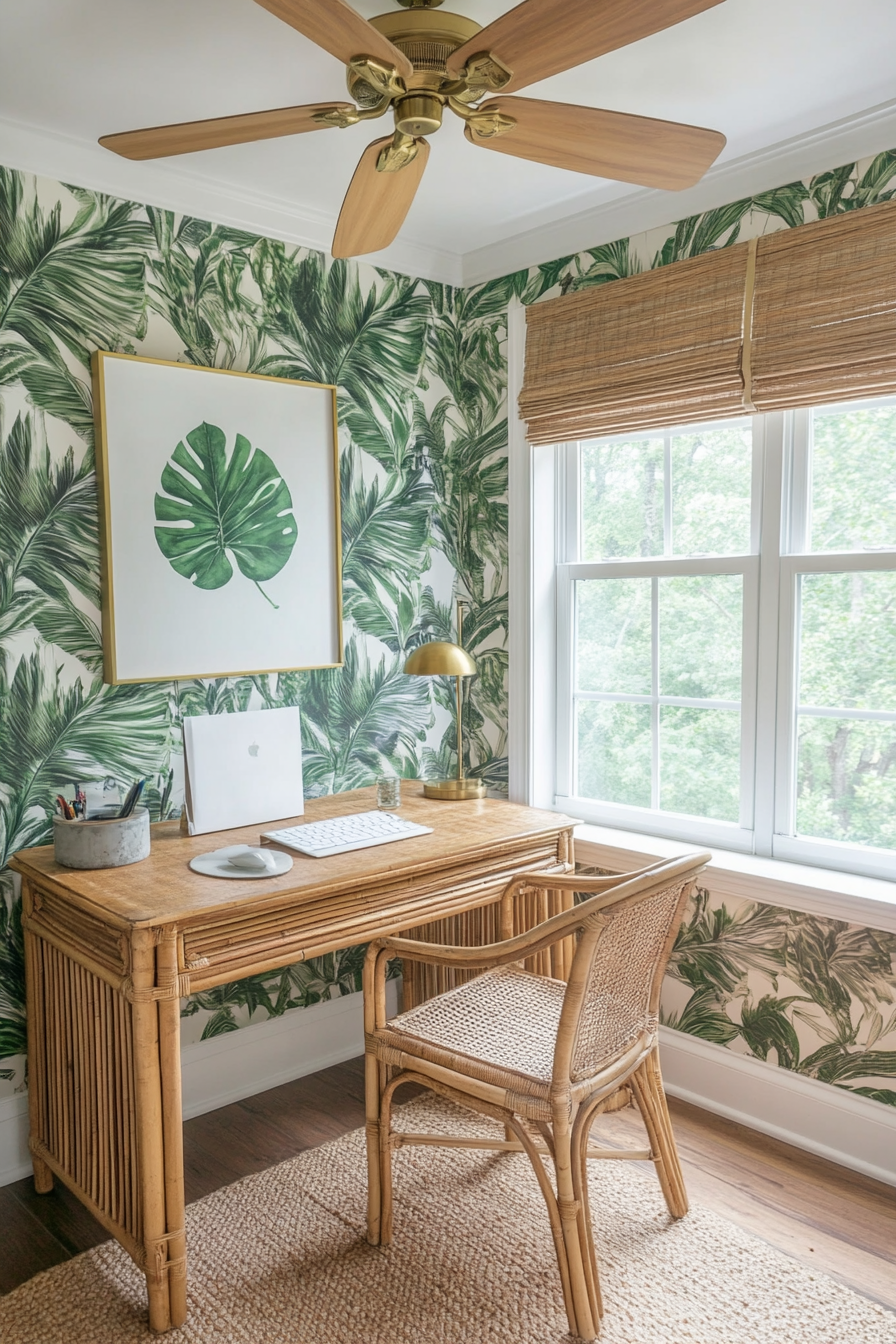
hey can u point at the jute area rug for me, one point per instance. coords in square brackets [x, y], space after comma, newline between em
[280, 1258]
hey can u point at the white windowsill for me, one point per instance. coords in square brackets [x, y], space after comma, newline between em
[868, 901]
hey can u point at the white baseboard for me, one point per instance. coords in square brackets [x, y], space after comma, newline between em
[229, 1067]
[15, 1161]
[853, 1131]
[850, 1130]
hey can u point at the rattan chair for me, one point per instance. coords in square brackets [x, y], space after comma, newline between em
[539, 1054]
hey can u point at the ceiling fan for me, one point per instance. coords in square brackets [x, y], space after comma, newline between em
[418, 62]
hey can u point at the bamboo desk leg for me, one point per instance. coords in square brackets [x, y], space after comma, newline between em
[105, 1097]
[37, 1045]
[172, 1109]
[150, 1139]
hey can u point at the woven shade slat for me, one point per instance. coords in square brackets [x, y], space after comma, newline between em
[654, 349]
[824, 311]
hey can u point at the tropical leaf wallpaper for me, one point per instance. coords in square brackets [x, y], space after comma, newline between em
[424, 470]
[421, 371]
[814, 995]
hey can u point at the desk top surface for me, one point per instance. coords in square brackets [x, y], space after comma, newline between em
[163, 888]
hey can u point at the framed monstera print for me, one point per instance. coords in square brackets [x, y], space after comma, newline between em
[219, 510]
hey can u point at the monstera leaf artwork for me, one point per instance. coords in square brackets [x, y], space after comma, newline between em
[213, 509]
[220, 521]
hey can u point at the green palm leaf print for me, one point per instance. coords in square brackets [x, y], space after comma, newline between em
[69, 287]
[359, 721]
[369, 342]
[48, 542]
[53, 733]
[12, 972]
[242, 506]
[195, 283]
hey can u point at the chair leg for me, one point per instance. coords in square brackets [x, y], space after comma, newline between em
[385, 1161]
[373, 1090]
[648, 1084]
[584, 1299]
[519, 1131]
[581, 1138]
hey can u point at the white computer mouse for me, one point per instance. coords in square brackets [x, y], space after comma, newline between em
[256, 860]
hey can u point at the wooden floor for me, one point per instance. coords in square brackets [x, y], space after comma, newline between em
[821, 1214]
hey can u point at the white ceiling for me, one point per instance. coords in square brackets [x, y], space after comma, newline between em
[764, 72]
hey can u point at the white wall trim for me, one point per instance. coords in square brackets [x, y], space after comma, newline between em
[620, 216]
[15, 1161]
[851, 1130]
[867, 901]
[65, 158]
[227, 1068]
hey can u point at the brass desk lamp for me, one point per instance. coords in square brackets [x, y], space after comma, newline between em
[440, 658]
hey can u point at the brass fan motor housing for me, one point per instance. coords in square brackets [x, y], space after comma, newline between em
[427, 38]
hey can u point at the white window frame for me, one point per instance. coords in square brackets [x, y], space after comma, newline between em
[543, 541]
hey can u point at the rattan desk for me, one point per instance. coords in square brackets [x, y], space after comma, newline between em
[110, 954]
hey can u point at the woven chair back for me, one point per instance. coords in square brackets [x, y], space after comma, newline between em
[613, 992]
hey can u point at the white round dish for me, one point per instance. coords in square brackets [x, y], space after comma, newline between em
[217, 863]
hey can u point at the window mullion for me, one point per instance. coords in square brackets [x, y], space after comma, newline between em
[567, 523]
[569, 501]
[566, 747]
[796, 514]
[748, 707]
[770, 435]
[654, 692]
[668, 546]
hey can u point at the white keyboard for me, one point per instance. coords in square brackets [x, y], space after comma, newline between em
[337, 835]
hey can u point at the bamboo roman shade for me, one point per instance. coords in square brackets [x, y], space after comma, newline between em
[824, 311]
[798, 318]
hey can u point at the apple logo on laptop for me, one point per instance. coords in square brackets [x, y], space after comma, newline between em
[253, 749]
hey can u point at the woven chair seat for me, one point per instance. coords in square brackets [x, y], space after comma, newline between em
[500, 1027]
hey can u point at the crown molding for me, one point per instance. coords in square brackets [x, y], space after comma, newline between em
[854, 137]
[69, 159]
[66, 158]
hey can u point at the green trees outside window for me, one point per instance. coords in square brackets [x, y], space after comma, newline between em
[672, 606]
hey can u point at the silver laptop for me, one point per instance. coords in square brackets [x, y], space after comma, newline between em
[243, 768]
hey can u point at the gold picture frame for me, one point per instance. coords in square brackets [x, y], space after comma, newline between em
[230, 510]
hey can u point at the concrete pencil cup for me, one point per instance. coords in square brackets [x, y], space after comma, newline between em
[102, 842]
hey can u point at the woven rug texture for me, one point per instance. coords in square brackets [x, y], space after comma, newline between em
[280, 1258]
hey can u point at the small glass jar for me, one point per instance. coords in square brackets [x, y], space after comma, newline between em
[388, 791]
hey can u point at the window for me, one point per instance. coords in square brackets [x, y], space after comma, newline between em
[726, 615]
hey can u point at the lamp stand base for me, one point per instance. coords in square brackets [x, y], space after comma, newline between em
[454, 790]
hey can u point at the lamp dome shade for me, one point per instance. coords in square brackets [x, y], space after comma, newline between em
[439, 658]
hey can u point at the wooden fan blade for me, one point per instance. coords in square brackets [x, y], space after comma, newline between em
[542, 37]
[340, 30]
[376, 204]
[625, 148]
[157, 142]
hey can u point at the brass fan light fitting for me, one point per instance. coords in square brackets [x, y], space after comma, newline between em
[418, 114]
